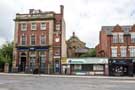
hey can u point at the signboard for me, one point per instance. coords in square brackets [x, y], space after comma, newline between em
[63, 60]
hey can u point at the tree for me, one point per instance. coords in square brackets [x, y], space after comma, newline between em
[6, 53]
[90, 53]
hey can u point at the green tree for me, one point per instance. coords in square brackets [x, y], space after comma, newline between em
[90, 53]
[6, 53]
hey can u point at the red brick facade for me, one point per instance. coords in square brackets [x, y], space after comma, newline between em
[103, 49]
[44, 57]
[117, 43]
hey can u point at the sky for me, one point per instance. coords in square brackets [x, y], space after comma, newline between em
[84, 17]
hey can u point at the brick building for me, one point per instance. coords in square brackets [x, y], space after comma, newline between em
[39, 41]
[118, 44]
[75, 47]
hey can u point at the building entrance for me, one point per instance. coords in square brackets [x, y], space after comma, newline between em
[23, 62]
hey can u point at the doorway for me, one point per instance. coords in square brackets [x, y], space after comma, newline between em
[23, 62]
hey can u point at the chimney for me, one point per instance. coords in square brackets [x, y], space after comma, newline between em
[61, 9]
[73, 34]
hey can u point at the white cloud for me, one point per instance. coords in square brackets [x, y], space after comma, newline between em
[85, 17]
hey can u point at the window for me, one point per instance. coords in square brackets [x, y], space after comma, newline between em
[58, 27]
[123, 51]
[33, 26]
[114, 52]
[121, 38]
[42, 62]
[115, 38]
[43, 26]
[23, 40]
[32, 62]
[57, 52]
[77, 67]
[33, 40]
[133, 37]
[42, 40]
[23, 27]
[132, 51]
[98, 67]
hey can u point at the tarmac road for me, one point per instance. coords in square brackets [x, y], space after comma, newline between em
[36, 82]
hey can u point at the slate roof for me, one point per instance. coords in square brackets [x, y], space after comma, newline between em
[108, 29]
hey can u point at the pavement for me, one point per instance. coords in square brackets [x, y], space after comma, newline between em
[71, 76]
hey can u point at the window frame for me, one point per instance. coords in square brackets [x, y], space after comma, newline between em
[22, 27]
[123, 54]
[32, 40]
[35, 25]
[114, 54]
[43, 27]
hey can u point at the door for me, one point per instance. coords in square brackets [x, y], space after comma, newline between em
[23, 64]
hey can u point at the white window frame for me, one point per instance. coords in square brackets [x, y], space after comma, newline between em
[31, 40]
[132, 51]
[43, 26]
[114, 53]
[123, 51]
[115, 38]
[41, 40]
[22, 40]
[33, 26]
[121, 38]
[133, 37]
[23, 26]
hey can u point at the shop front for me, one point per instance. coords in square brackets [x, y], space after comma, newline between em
[121, 67]
[88, 66]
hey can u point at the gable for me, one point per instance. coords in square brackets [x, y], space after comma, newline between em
[117, 28]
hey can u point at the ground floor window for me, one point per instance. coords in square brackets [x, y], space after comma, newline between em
[32, 62]
[77, 67]
[98, 67]
[87, 67]
[42, 62]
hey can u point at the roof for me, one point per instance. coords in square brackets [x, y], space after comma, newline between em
[87, 60]
[81, 50]
[108, 29]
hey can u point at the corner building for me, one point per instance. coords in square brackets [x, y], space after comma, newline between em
[39, 42]
[118, 44]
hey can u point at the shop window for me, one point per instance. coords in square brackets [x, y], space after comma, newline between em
[77, 67]
[98, 67]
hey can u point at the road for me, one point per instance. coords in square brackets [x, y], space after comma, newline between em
[15, 82]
